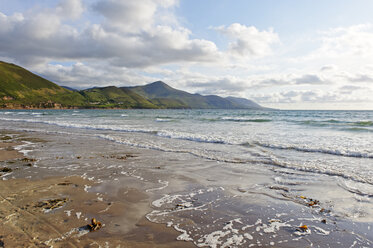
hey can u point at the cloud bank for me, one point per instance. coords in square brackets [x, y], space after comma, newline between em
[113, 42]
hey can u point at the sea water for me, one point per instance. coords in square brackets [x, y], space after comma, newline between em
[332, 142]
[297, 148]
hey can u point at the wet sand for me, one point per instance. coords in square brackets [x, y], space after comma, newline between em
[25, 222]
[189, 201]
[7, 151]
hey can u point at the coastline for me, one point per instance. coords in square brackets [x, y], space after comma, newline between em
[25, 223]
[150, 198]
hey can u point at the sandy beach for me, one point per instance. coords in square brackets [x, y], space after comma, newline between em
[181, 123]
[54, 183]
[26, 222]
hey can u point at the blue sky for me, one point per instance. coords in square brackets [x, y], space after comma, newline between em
[284, 54]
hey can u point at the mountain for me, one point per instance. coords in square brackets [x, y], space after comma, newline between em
[20, 88]
[113, 97]
[68, 88]
[244, 102]
[164, 96]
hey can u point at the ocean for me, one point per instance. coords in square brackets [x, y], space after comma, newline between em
[329, 142]
[300, 152]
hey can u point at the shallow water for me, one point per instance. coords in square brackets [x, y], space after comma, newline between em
[332, 142]
[235, 167]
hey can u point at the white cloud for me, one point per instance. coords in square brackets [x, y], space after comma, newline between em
[129, 15]
[361, 78]
[167, 3]
[80, 75]
[327, 68]
[347, 89]
[310, 96]
[309, 79]
[344, 44]
[35, 37]
[248, 40]
[135, 42]
[224, 86]
[40, 26]
[70, 8]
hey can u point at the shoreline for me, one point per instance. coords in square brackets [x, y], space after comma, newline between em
[184, 197]
[25, 223]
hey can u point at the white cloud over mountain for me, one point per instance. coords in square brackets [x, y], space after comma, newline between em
[114, 42]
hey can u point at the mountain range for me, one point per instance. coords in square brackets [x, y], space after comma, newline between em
[20, 88]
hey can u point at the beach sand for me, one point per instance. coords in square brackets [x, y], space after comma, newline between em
[25, 222]
[184, 197]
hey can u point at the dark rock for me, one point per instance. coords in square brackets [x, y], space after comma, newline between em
[52, 203]
[64, 183]
[28, 160]
[6, 169]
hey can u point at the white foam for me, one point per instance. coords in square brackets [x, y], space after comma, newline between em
[78, 214]
[184, 236]
[164, 185]
[248, 236]
[21, 148]
[212, 239]
[245, 227]
[77, 231]
[227, 237]
[361, 189]
[162, 120]
[126, 128]
[165, 199]
[306, 148]
[86, 188]
[273, 226]
[106, 209]
[321, 231]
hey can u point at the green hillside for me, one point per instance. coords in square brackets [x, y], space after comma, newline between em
[113, 97]
[20, 88]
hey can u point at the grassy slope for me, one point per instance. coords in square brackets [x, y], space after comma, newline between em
[29, 89]
[22, 88]
[25, 89]
[110, 97]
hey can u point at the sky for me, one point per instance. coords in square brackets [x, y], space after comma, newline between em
[305, 54]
